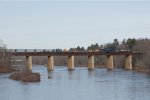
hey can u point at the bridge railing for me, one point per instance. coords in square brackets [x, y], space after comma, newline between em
[59, 50]
[29, 50]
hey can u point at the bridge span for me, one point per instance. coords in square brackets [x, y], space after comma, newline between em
[50, 64]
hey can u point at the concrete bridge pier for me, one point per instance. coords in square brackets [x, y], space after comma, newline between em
[90, 62]
[70, 62]
[128, 62]
[50, 64]
[29, 63]
[110, 64]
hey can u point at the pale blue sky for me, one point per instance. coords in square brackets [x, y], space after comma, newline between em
[69, 24]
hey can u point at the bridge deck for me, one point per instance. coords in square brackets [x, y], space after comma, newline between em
[70, 53]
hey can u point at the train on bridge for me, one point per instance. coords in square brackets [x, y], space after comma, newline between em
[104, 50]
[50, 53]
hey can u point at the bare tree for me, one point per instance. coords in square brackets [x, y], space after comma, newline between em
[142, 46]
[3, 56]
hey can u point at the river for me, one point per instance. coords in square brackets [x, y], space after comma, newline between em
[80, 84]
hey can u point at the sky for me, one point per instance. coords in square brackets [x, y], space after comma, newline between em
[49, 24]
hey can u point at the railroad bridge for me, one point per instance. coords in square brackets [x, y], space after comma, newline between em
[50, 64]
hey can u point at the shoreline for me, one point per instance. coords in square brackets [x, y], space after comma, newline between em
[142, 69]
[7, 70]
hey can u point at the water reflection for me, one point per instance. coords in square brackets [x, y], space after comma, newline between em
[50, 74]
[71, 74]
[91, 73]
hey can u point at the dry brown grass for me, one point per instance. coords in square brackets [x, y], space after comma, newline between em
[25, 77]
[7, 70]
[142, 69]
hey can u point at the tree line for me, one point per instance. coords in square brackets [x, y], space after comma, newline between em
[127, 44]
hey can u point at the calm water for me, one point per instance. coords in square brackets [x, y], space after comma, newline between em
[80, 84]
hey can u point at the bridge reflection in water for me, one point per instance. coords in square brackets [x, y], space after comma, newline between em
[50, 53]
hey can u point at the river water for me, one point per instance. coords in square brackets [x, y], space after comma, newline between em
[80, 84]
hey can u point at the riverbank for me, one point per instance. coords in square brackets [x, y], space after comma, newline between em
[142, 69]
[7, 70]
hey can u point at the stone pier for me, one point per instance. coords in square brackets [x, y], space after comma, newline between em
[90, 62]
[70, 62]
[29, 63]
[128, 62]
[50, 64]
[110, 63]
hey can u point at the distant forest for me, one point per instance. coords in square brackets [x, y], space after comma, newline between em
[132, 44]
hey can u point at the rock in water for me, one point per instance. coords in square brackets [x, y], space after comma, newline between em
[25, 77]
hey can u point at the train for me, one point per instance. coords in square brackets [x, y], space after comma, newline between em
[108, 50]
